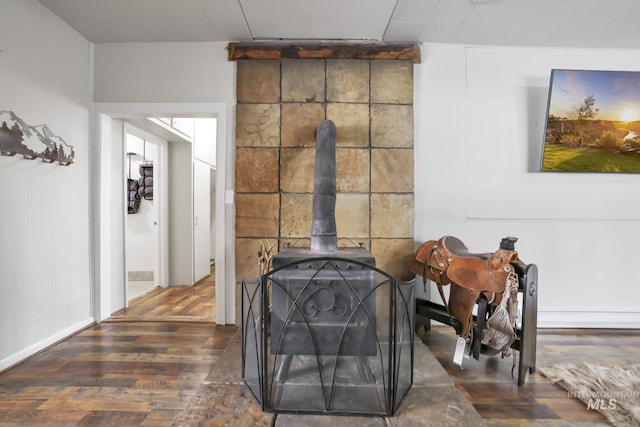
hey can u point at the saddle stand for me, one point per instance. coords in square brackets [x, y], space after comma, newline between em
[498, 287]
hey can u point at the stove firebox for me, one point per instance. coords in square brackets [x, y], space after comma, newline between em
[330, 305]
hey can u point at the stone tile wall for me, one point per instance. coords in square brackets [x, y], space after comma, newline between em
[280, 103]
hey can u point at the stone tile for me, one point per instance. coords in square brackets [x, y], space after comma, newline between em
[352, 215]
[257, 170]
[257, 125]
[392, 215]
[427, 371]
[257, 215]
[247, 259]
[347, 80]
[352, 170]
[442, 406]
[296, 215]
[392, 170]
[299, 123]
[393, 256]
[392, 126]
[352, 124]
[258, 81]
[297, 170]
[303, 80]
[297, 420]
[298, 167]
[392, 82]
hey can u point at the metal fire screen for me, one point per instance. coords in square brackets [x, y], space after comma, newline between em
[328, 335]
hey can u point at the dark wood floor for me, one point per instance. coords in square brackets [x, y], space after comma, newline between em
[137, 371]
[495, 395]
[195, 303]
[113, 374]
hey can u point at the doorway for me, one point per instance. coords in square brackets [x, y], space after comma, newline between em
[109, 245]
[145, 203]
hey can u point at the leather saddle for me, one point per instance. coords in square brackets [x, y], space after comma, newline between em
[448, 261]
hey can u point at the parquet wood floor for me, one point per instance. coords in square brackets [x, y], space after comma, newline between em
[497, 398]
[114, 374]
[140, 367]
[183, 303]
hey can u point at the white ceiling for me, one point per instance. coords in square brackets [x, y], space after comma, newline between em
[564, 23]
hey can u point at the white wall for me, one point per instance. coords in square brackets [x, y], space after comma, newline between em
[204, 163]
[212, 215]
[479, 119]
[116, 275]
[180, 215]
[45, 78]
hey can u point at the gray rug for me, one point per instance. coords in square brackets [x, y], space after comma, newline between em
[612, 391]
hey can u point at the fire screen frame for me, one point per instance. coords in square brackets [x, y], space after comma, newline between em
[388, 374]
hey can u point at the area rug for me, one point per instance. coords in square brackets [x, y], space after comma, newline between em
[612, 391]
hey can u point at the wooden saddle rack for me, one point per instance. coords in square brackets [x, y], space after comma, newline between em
[492, 302]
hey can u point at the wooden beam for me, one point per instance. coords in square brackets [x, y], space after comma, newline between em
[324, 50]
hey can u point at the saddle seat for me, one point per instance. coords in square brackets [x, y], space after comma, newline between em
[455, 246]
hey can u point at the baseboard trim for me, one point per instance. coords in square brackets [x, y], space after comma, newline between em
[589, 319]
[34, 349]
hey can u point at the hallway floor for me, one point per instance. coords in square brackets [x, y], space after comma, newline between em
[138, 288]
[195, 303]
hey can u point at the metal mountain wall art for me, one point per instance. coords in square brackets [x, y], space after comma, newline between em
[33, 142]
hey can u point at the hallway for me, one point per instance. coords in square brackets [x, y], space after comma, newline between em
[181, 304]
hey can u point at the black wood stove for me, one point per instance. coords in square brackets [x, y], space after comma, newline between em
[325, 331]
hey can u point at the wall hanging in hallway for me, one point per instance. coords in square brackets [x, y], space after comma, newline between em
[33, 142]
[145, 181]
[133, 198]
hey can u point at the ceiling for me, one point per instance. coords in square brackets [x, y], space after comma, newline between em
[562, 23]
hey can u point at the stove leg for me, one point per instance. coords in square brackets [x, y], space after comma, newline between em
[283, 369]
[364, 369]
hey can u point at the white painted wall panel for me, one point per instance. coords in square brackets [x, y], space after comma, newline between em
[46, 70]
[116, 217]
[163, 72]
[479, 123]
[201, 220]
[180, 215]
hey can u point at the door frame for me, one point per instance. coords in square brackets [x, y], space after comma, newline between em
[104, 252]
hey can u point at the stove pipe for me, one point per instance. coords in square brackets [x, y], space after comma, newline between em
[324, 237]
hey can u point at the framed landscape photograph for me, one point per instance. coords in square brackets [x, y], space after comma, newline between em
[593, 122]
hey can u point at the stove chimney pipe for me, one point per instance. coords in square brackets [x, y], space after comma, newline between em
[324, 237]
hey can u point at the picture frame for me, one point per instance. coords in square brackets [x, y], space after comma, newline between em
[592, 122]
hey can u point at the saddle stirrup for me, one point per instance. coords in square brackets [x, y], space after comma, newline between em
[461, 354]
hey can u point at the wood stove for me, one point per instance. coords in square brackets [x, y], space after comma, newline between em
[325, 331]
